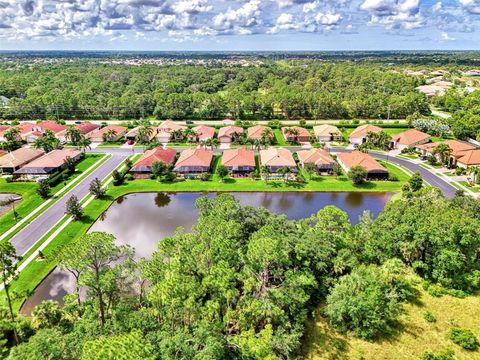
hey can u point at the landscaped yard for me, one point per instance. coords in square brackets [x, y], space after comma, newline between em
[475, 188]
[412, 337]
[279, 139]
[30, 199]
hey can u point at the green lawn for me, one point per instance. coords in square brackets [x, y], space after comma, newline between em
[409, 340]
[475, 188]
[279, 139]
[30, 199]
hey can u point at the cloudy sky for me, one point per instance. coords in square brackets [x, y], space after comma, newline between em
[239, 24]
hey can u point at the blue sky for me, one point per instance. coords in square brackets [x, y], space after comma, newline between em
[239, 24]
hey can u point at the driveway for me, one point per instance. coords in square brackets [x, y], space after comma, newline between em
[34, 231]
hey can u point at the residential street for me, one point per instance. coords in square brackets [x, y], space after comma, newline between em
[31, 233]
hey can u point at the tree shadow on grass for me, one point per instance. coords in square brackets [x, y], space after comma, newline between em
[295, 185]
[229, 181]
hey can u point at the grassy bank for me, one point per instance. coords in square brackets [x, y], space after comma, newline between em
[30, 199]
[411, 338]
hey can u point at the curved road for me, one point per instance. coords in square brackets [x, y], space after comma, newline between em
[35, 230]
[447, 189]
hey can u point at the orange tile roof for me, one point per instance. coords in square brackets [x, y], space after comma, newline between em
[277, 157]
[410, 137]
[302, 132]
[355, 158]
[160, 154]
[204, 132]
[117, 128]
[87, 127]
[238, 157]
[195, 157]
[458, 147]
[255, 132]
[315, 156]
[25, 127]
[363, 130]
[470, 158]
[229, 131]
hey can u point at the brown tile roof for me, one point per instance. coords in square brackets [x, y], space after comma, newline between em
[363, 130]
[315, 156]
[355, 158]
[238, 157]
[2, 152]
[204, 132]
[470, 158]
[53, 159]
[302, 132]
[458, 147]
[169, 126]
[19, 157]
[255, 132]
[195, 157]
[229, 131]
[410, 137]
[277, 157]
[117, 128]
[166, 156]
[51, 125]
[87, 127]
[326, 130]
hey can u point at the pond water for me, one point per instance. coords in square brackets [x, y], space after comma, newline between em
[142, 220]
[5, 202]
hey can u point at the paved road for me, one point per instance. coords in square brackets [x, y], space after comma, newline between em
[34, 231]
[447, 189]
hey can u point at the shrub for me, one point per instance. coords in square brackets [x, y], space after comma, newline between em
[464, 338]
[128, 177]
[429, 317]
[444, 355]
[9, 179]
[392, 177]
[340, 344]
[357, 174]
[43, 188]
[117, 178]
[204, 176]
[432, 160]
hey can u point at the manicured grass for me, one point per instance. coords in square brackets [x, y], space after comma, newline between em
[279, 139]
[30, 199]
[413, 335]
[475, 188]
[110, 145]
[390, 131]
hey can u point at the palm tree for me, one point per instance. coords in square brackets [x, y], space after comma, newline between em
[284, 171]
[84, 143]
[266, 171]
[475, 171]
[443, 151]
[177, 135]
[214, 143]
[73, 135]
[47, 142]
[189, 134]
[267, 135]
[293, 133]
[110, 135]
[144, 133]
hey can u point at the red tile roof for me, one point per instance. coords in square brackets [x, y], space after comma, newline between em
[87, 127]
[255, 132]
[117, 128]
[25, 127]
[51, 125]
[238, 157]
[204, 132]
[195, 157]
[459, 148]
[302, 132]
[229, 131]
[410, 137]
[471, 157]
[166, 156]
[355, 158]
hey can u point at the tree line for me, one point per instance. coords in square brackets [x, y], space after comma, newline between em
[280, 89]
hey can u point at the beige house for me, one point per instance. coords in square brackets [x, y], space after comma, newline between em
[458, 149]
[14, 160]
[48, 163]
[409, 139]
[226, 134]
[97, 135]
[374, 169]
[166, 128]
[327, 133]
[193, 162]
[321, 158]
[277, 158]
[359, 135]
[470, 158]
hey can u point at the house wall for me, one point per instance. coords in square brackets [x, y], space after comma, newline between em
[225, 139]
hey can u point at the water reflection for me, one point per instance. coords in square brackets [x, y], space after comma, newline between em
[142, 220]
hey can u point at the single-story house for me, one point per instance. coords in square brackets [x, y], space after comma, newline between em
[143, 167]
[48, 163]
[132, 135]
[239, 161]
[359, 135]
[321, 158]
[203, 133]
[58, 129]
[348, 160]
[276, 158]
[226, 134]
[14, 160]
[3, 128]
[437, 88]
[470, 158]
[257, 132]
[193, 162]
[32, 136]
[166, 128]
[409, 139]
[97, 135]
[25, 128]
[327, 133]
[458, 149]
[3, 152]
[302, 134]
[87, 127]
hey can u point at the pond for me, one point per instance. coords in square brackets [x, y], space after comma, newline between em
[142, 220]
[6, 202]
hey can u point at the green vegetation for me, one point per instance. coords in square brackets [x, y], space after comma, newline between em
[306, 89]
[464, 338]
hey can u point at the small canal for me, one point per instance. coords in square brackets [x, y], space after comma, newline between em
[141, 220]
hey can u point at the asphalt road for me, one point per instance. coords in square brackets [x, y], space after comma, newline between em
[30, 234]
[447, 189]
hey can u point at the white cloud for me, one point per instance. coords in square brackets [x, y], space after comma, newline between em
[446, 37]
[472, 6]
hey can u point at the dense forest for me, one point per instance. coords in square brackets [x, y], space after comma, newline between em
[243, 282]
[272, 89]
